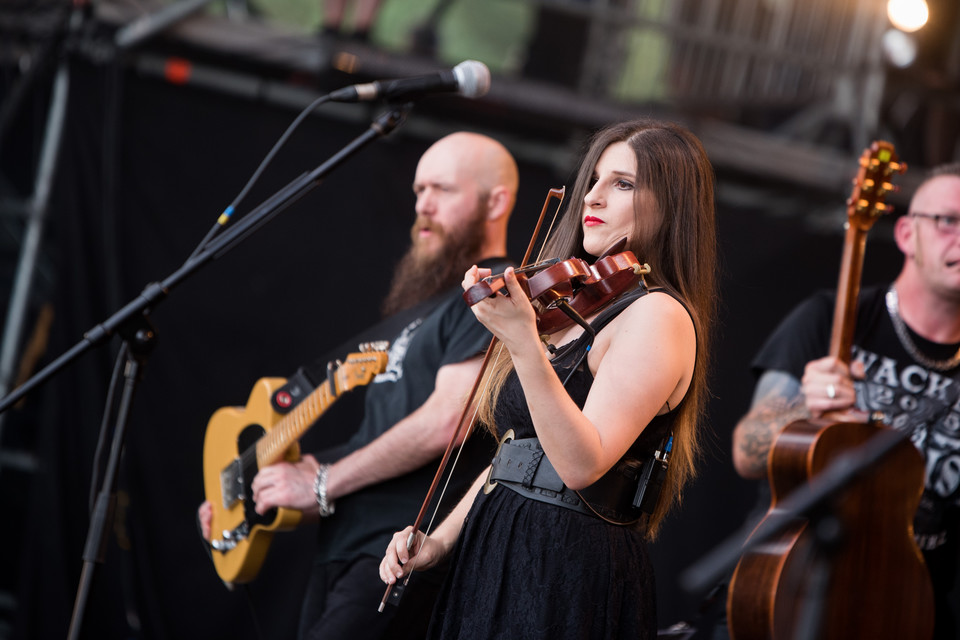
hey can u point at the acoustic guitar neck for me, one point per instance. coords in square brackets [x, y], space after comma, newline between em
[865, 205]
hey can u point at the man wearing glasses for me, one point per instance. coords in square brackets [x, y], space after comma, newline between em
[906, 363]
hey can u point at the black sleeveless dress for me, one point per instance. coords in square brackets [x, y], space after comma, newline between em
[524, 569]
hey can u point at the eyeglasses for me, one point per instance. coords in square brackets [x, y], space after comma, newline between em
[942, 222]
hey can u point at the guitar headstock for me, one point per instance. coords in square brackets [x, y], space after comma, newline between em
[878, 163]
[360, 368]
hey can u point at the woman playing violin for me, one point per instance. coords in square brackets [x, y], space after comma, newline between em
[551, 540]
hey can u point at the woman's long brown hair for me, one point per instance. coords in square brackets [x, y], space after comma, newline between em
[672, 166]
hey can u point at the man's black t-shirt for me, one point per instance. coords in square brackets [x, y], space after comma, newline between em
[445, 334]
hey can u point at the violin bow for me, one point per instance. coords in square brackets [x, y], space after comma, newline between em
[466, 422]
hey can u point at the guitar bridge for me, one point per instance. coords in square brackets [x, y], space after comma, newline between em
[231, 483]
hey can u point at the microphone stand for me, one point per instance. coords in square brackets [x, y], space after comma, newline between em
[810, 501]
[139, 339]
[157, 291]
[132, 323]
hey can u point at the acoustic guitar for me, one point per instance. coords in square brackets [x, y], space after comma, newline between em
[241, 440]
[871, 581]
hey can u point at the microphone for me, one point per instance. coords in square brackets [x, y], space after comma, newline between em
[469, 78]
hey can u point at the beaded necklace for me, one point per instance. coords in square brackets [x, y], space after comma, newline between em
[893, 307]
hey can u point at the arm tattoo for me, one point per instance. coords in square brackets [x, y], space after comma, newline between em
[777, 402]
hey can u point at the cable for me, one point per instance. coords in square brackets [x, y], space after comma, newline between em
[231, 208]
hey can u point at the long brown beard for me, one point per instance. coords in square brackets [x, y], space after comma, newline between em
[420, 275]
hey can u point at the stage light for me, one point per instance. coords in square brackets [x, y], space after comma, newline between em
[908, 15]
[899, 48]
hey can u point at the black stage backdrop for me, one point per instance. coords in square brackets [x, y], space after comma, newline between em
[290, 294]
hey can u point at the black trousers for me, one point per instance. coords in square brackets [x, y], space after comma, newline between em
[342, 599]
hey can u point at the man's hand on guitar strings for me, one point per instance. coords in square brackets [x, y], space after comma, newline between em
[286, 484]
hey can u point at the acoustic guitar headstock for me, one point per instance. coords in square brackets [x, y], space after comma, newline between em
[867, 201]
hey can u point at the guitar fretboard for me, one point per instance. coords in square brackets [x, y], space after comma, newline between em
[272, 445]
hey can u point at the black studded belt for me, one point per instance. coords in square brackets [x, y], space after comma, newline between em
[521, 466]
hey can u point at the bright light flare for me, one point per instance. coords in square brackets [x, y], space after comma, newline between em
[900, 48]
[908, 15]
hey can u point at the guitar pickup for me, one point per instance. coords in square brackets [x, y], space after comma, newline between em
[231, 483]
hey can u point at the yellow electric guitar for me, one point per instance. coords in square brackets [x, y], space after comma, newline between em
[241, 440]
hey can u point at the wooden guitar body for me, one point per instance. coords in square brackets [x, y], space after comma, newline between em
[230, 431]
[878, 586]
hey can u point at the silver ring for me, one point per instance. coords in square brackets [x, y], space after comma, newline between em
[831, 391]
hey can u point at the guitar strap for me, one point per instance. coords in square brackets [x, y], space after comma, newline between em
[309, 376]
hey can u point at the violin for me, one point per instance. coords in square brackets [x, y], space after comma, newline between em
[564, 291]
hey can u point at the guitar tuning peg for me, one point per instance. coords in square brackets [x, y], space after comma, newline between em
[882, 208]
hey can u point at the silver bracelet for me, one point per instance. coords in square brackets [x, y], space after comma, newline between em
[320, 489]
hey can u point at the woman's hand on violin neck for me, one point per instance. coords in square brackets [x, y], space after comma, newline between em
[474, 275]
[511, 318]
